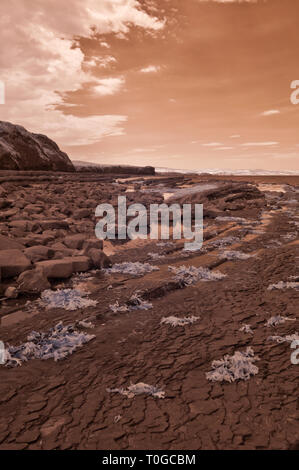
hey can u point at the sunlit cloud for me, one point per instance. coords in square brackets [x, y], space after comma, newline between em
[271, 112]
[150, 69]
[224, 148]
[212, 144]
[259, 144]
[108, 86]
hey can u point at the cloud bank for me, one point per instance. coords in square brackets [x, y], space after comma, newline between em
[42, 61]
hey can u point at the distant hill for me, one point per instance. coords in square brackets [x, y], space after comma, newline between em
[118, 169]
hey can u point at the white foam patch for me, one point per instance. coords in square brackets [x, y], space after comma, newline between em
[238, 220]
[284, 339]
[68, 299]
[57, 344]
[277, 320]
[246, 329]
[134, 269]
[156, 256]
[176, 321]
[138, 389]
[233, 255]
[86, 324]
[240, 366]
[284, 285]
[188, 275]
[135, 303]
[117, 308]
[222, 242]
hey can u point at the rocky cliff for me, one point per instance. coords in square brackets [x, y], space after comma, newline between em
[23, 150]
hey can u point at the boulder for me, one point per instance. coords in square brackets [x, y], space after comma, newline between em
[57, 268]
[53, 224]
[4, 203]
[11, 292]
[80, 263]
[82, 213]
[34, 240]
[99, 259]
[13, 263]
[92, 243]
[23, 150]
[61, 251]
[75, 241]
[3, 192]
[39, 253]
[33, 282]
[22, 225]
[4, 215]
[33, 209]
[7, 243]
[65, 267]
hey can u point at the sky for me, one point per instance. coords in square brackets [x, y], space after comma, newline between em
[185, 84]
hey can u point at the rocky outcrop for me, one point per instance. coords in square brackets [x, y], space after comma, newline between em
[114, 169]
[23, 150]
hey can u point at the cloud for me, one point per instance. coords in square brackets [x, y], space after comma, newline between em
[224, 148]
[41, 62]
[212, 144]
[105, 44]
[271, 112]
[103, 62]
[108, 86]
[235, 136]
[259, 144]
[150, 69]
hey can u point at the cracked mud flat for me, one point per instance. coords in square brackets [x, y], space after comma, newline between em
[65, 404]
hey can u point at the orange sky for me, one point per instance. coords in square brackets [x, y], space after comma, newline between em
[191, 84]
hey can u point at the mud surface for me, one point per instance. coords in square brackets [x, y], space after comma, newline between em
[68, 404]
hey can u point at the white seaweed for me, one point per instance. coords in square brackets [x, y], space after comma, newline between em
[284, 339]
[68, 299]
[240, 366]
[232, 255]
[138, 389]
[134, 269]
[86, 324]
[156, 256]
[137, 303]
[284, 285]
[246, 329]
[188, 275]
[222, 242]
[57, 344]
[176, 321]
[238, 220]
[277, 320]
[116, 308]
